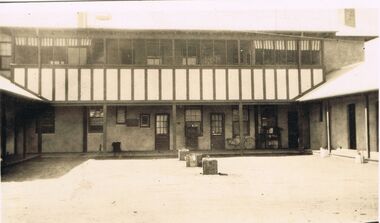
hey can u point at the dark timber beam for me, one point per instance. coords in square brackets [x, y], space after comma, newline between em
[367, 129]
[174, 126]
[241, 128]
[104, 127]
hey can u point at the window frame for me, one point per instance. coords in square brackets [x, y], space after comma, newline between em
[144, 125]
[95, 128]
[234, 134]
[200, 122]
[48, 115]
[118, 108]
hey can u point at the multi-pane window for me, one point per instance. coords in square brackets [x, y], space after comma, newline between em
[217, 124]
[180, 52]
[280, 51]
[26, 50]
[153, 52]
[166, 52]
[120, 115]
[220, 52]
[95, 119]
[259, 52]
[193, 119]
[268, 47]
[235, 122]
[97, 51]
[291, 53]
[47, 121]
[139, 51]
[112, 51]
[162, 124]
[5, 55]
[315, 52]
[207, 52]
[193, 52]
[305, 52]
[126, 51]
[245, 52]
[232, 52]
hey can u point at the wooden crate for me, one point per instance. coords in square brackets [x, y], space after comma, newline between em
[191, 160]
[182, 153]
[210, 166]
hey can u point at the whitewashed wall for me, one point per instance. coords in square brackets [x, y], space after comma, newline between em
[154, 84]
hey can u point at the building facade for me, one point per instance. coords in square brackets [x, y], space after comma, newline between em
[164, 90]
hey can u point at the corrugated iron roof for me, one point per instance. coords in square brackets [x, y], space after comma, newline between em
[7, 86]
[353, 79]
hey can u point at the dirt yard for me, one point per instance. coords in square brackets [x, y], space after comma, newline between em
[255, 189]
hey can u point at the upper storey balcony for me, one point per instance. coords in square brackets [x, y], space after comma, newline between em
[162, 66]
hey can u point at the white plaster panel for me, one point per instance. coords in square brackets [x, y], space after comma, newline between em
[305, 79]
[246, 84]
[293, 83]
[153, 82]
[317, 76]
[19, 74]
[207, 84]
[72, 78]
[125, 84]
[85, 84]
[194, 84]
[167, 84]
[220, 84]
[281, 84]
[233, 84]
[180, 84]
[60, 82]
[258, 87]
[139, 84]
[112, 84]
[47, 83]
[33, 76]
[98, 84]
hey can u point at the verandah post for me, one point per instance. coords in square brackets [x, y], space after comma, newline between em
[241, 128]
[104, 127]
[174, 126]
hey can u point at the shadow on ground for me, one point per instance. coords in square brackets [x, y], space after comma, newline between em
[40, 168]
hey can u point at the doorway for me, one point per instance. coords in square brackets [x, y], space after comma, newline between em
[293, 131]
[162, 134]
[351, 126]
[217, 131]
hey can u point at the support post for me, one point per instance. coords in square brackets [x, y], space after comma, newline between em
[104, 127]
[366, 117]
[39, 136]
[85, 128]
[328, 133]
[24, 140]
[241, 128]
[174, 126]
[3, 133]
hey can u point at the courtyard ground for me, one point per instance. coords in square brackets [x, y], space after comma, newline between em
[253, 189]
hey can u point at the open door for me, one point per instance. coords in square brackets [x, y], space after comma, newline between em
[293, 131]
[351, 126]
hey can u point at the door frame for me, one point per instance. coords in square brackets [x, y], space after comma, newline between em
[297, 126]
[223, 128]
[155, 129]
[348, 126]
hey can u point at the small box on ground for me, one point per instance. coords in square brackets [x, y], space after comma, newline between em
[182, 153]
[191, 160]
[210, 166]
[359, 158]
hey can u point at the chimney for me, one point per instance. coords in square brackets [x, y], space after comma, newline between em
[349, 17]
[82, 19]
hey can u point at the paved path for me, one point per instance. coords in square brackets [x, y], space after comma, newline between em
[256, 189]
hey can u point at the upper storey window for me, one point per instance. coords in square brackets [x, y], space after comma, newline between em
[26, 50]
[5, 52]
[310, 52]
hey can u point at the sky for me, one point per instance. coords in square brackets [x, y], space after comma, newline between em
[195, 15]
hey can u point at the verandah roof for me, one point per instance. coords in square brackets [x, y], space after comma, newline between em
[353, 79]
[7, 86]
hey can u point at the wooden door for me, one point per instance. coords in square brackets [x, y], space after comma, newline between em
[162, 138]
[217, 131]
[293, 131]
[192, 137]
[351, 126]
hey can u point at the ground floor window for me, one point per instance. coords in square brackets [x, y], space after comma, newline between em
[47, 121]
[235, 122]
[95, 122]
[120, 115]
[193, 120]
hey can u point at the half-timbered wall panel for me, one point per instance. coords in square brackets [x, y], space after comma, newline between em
[47, 83]
[98, 87]
[233, 84]
[153, 82]
[167, 84]
[112, 84]
[60, 84]
[194, 84]
[139, 84]
[180, 84]
[125, 84]
[281, 84]
[293, 83]
[258, 84]
[19, 76]
[207, 84]
[32, 78]
[246, 84]
[317, 76]
[85, 84]
[72, 77]
[220, 84]
[269, 84]
[305, 79]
